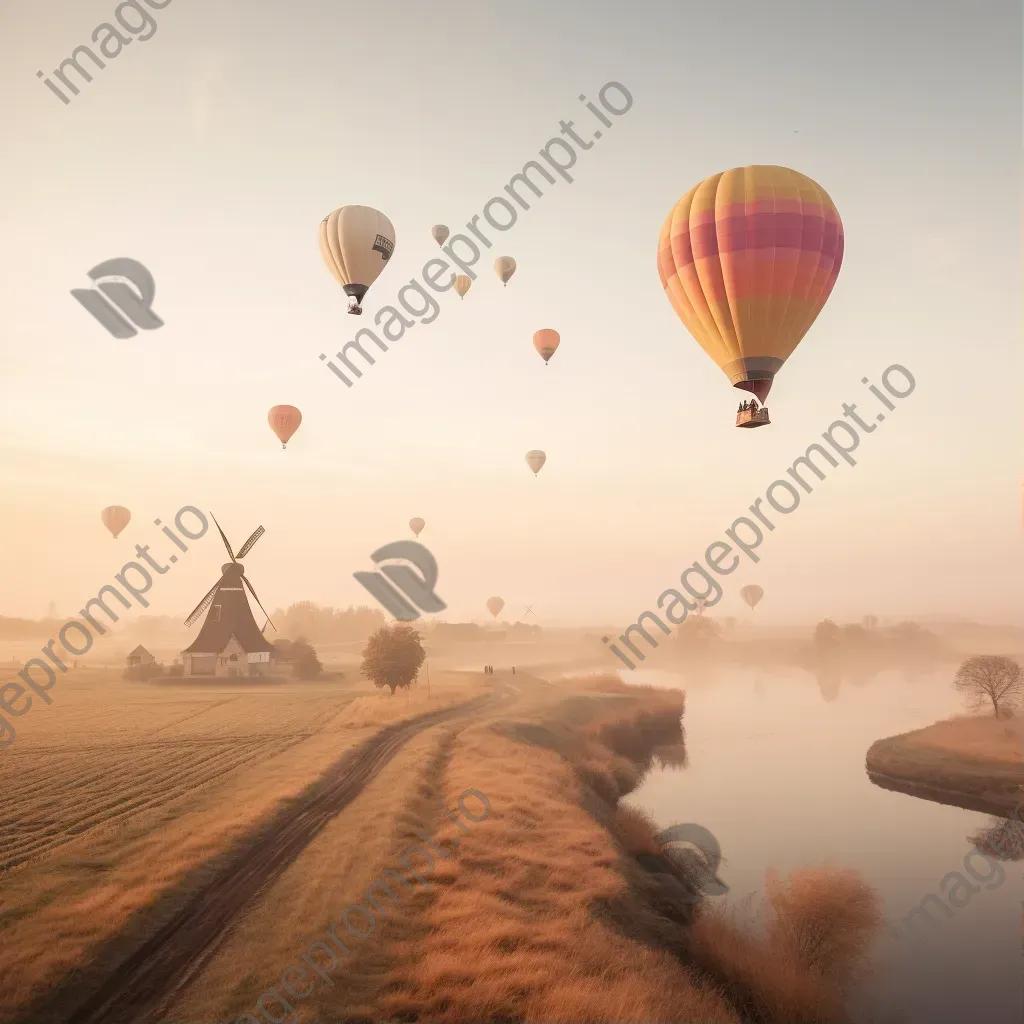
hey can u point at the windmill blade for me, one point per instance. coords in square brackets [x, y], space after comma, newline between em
[247, 546]
[222, 537]
[204, 603]
[257, 600]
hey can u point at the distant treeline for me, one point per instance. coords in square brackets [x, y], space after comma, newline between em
[854, 645]
[326, 625]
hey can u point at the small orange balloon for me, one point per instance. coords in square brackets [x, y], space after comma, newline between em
[115, 518]
[545, 342]
[284, 421]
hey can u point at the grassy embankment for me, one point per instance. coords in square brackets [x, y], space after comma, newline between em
[974, 763]
[542, 913]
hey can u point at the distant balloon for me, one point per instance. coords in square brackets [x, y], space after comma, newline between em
[284, 421]
[535, 460]
[494, 605]
[462, 284]
[115, 518]
[356, 243]
[440, 233]
[416, 525]
[752, 595]
[748, 259]
[504, 267]
[545, 342]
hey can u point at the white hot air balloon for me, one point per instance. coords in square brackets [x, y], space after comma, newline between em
[504, 267]
[535, 460]
[416, 525]
[356, 243]
[440, 233]
[462, 285]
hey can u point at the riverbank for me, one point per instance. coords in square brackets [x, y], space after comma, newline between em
[973, 763]
[554, 919]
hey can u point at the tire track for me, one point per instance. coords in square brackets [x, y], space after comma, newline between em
[147, 980]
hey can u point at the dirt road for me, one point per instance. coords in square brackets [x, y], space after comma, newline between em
[146, 980]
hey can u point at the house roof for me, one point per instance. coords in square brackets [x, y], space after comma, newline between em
[234, 619]
[140, 650]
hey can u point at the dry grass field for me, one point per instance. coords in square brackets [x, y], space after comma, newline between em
[983, 737]
[117, 790]
[538, 914]
[123, 797]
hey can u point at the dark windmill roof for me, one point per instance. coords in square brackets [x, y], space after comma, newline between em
[235, 618]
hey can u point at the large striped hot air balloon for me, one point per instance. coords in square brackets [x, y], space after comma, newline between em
[748, 258]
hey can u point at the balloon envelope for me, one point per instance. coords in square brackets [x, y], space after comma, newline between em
[356, 243]
[748, 258]
[440, 233]
[504, 267]
[752, 595]
[284, 421]
[115, 518]
[462, 284]
[494, 605]
[416, 525]
[535, 460]
[545, 342]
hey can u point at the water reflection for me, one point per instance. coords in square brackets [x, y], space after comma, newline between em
[1003, 839]
[778, 776]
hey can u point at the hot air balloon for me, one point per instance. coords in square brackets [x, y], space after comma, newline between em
[504, 267]
[748, 258]
[115, 518]
[416, 525]
[535, 460]
[284, 421]
[440, 233]
[356, 243]
[545, 342]
[494, 605]
[462, 284]
[752, 595]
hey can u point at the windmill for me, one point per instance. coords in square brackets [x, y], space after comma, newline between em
[230, 643]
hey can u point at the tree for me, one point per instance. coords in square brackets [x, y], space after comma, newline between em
[827, 637]
[392, 656]
[307, 664]
[990, 678]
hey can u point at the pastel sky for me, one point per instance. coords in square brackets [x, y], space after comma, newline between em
[211, 152]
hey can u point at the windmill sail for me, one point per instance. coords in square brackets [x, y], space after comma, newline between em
[247, 546]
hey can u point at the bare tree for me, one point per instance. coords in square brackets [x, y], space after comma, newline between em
[990, 678]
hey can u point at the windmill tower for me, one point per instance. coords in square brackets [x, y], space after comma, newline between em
[230, 643]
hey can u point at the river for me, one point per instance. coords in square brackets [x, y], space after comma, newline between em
[777, 774]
